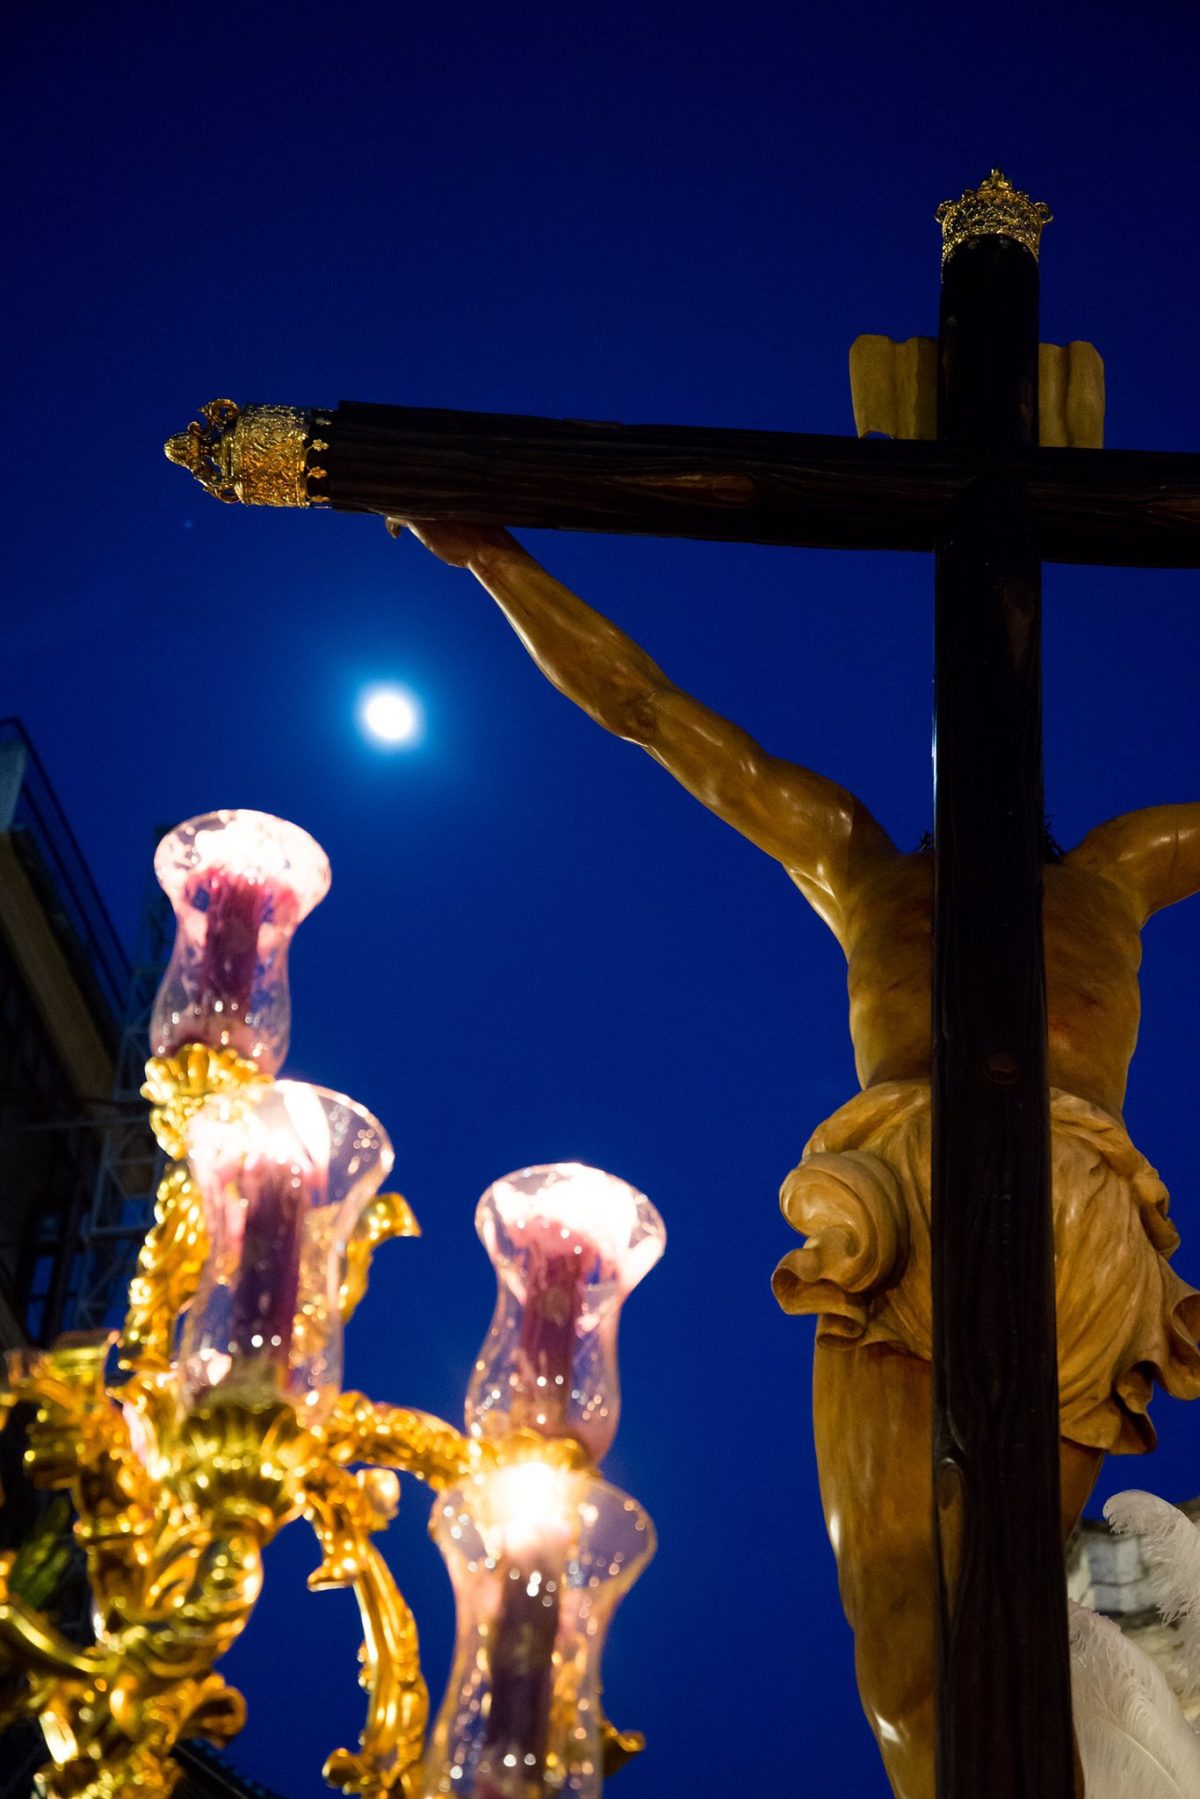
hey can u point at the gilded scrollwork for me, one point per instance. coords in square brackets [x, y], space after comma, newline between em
[168, 1268]
[388, 1216]
[344, 1509]
[173, 1252]
[111, 1712]
[361, 1430]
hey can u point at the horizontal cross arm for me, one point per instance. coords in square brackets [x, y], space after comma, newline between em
[1138, 508]
[1134, 508]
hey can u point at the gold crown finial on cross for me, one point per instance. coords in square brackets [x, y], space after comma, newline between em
[993, 209]
[258, 455]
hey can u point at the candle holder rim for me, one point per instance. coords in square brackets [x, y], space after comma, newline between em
[222, 1107]
[177, 857]
[646, 1213]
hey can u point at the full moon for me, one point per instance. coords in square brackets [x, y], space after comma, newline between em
[390, 715]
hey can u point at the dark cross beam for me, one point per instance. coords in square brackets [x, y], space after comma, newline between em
[991, 506]
[1120, 508]
[1131, 508]
[1003, 1672]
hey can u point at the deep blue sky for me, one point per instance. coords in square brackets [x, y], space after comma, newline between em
[535, 946]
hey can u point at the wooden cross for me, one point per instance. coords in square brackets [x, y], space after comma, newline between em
[991, 506]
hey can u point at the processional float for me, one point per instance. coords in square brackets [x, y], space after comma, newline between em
[930, 1230]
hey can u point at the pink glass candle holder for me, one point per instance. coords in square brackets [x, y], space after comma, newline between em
[538, 1557]
[240, 883]
[568, 1244]
[286, 1172]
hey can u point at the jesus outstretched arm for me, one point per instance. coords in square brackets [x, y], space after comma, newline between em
[826, 839]
[1152, 855]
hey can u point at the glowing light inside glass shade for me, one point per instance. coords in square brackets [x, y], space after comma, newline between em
[391, 716]
[526, 1504]
[285, 1172]
[539, 1558]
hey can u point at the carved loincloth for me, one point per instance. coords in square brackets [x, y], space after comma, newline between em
[1125, 1319]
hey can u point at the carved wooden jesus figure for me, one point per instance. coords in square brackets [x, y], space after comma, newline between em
[860, 1196]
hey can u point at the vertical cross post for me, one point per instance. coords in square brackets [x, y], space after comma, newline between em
[1004, 1720]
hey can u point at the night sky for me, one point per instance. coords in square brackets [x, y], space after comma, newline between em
[535, 946]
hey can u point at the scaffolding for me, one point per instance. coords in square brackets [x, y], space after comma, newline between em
[83, 1167]
[64, 982]
[130, 1162]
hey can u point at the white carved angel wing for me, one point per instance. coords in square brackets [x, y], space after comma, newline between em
[1169, 1546]
[1134, 1740]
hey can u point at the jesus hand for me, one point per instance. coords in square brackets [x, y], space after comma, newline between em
[458, 545]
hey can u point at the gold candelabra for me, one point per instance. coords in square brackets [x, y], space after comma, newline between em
[215, 1417]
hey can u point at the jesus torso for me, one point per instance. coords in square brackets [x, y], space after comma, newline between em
[1093, 952]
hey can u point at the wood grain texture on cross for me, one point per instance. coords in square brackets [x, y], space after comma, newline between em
[1120, 508]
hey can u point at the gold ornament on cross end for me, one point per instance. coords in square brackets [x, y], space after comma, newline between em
[253, 455]
[993, 209]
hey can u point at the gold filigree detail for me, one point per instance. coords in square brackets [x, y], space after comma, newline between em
[524, 1445]
[243, 1463]
[268, 456]
[175, 1246]
[177, 1086]
[391, 1436]
[344, 1509]
[257, 455]
[618, 1746]
[171, 1256]
[392, 1744]
[168, 1271]
[164, 1607]
[993, 209]
[388, 1216]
